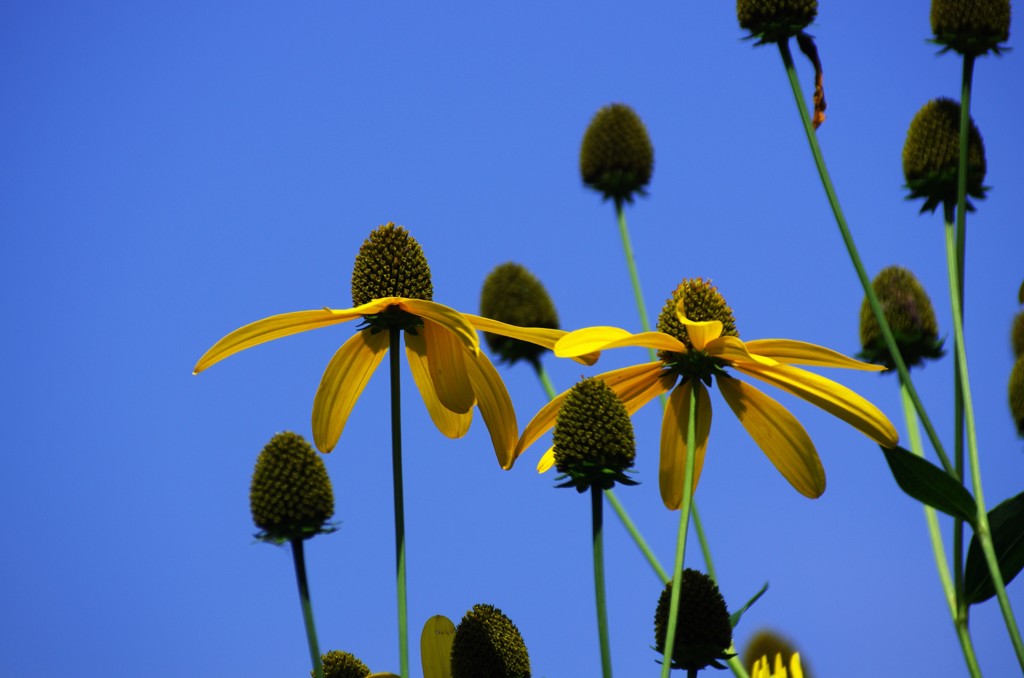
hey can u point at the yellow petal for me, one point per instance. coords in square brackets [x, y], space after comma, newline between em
[733, 350]
[436, 647]
[834, 398]
[541, 336]
[446, 317]
[451, 424]
[699, 331]
[803, 353]
[779, 435]
[344, 379]
[672, 470]
[590, 339]
[547, 461]
[446, 360]
[495, 407]
[268, 329]
[539, 425]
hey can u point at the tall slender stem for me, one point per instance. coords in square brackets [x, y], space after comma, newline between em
[597, 510]
[865, 281]
[307, 607]
[396, 466]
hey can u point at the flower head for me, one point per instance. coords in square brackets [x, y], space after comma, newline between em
[703, 633]
[767, 643]
[692, 354]
[488, 645]
[910, 315]
[514, 296]
[931, 156]
[775, 20]
[617, 157]
[1017, 334]
[338, 664]
[971, 26]
[290, 495]
[392, 291]
[762, 669]
[1016, 394]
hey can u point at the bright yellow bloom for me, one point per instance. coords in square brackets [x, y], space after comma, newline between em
[698, 350]
[761, 668]
[442, 346]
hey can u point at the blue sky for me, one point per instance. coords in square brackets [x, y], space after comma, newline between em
[172, 171]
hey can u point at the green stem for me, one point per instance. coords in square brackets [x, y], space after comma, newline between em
[545, 380]
[939, 549]
[684, 521]
[307, 607]
[851, 248]
[596, 505]
[982, 529]
[396, 464]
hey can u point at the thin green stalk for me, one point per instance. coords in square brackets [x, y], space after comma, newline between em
[396, 464]
[982, 529]
[307, 607]
[939, 549]
[597, 510]
[958, 455]
[620, 510]
[851, 248]
[684, 521]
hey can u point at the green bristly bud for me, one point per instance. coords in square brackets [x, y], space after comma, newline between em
[1017, 334]
[1016, 393]
[512, 295]
[617, 158]
[768, 643]
[703, 632]
[593, 438]
[971, 26]
[910, 315]
[488, 645]
[775, 20]
[338, 664]
[700, 301]
[290, 495]
[391, 263]
[931, 156]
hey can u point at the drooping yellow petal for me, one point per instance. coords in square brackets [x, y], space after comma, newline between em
[436, 647]
[546, 461]
[834, 398]
[540, 424]
[803, 353]
[495, 407]
[541, 336]
[779, 435]
[732, 350]
[451, 424]
[699, 331]
[446, 317]
[672, 469]
[446, 360]
[265, 330]
[343, 381]
[590, 339]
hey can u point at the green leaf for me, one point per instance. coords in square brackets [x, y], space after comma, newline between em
[1006, 522]
[929, 484]
[734, 618]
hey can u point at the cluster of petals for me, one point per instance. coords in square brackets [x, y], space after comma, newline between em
[450, 371]
[775, 430]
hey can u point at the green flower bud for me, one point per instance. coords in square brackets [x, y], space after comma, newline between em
[775, 20]
[971, 26]
[910, 315]
[338, 664]
[768, 643]
[931, 156]
[512, 295]
[593, 438]
[290, 495]
[390, 263]
[703, 630]
[488, 645]
[700, 301]
[1016, 392]
[617, 158]
[1017, 334]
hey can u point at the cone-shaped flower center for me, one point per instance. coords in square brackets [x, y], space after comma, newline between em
[391, 263]
[1016, 393]
[512, 295]
[910, 314]
[698, 300]
[703, 632]
[617, 157]
[488, 645]
[971, 26]
[338, 664]
[290, 495]
[593, 438]
[775, 20]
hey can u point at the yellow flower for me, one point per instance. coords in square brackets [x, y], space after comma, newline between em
[392, 281]
[697, 340]
[761, 670]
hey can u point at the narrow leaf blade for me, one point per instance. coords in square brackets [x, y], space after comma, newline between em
[1006, 522]
[929, 484]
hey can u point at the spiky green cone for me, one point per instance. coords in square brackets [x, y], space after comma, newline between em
[593, 438]
[971, 26]
[910, 315]
[488, 645]
[931, 156]
[513, 295]
[703, 631]
[775, 20]
[290, 495]
[1016, 393]
[617, 157]
[338, 664]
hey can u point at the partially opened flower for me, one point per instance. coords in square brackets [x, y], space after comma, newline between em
[392, 289]
[697, 341]
[762, 669]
